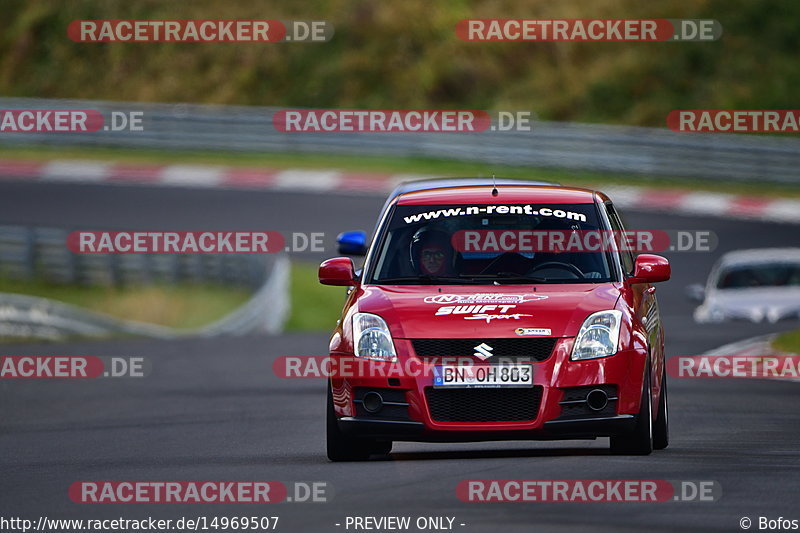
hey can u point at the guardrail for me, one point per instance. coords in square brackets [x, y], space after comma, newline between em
[558, 145]
[41, 253]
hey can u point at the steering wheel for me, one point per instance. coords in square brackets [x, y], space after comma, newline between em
[563, 266]
[504, 257]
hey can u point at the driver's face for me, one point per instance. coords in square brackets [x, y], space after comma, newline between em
[432, 258]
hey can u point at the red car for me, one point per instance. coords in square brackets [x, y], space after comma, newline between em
[462, 327]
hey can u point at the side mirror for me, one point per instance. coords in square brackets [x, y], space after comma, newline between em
[650, 269]
[696, 292]
[352, 243]
[337, 271]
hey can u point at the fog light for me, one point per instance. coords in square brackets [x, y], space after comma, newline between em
[597, 400]
[372, 402]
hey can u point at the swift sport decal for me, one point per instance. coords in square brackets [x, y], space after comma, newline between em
[467, 309]
[481, 312]
[488, 318]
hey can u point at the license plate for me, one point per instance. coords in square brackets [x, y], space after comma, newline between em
[483, 376]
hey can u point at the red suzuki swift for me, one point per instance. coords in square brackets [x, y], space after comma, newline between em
[466, 325]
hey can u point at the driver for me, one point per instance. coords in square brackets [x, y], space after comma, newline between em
[432, 253]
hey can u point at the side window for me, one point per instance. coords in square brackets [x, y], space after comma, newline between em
[626, 257]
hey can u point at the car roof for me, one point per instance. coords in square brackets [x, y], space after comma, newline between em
[759, 256]
[507, 194]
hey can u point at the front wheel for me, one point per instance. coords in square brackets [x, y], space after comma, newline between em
[640, 442]
[661, 427]
[341, 447]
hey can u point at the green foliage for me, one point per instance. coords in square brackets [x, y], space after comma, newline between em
[315, 307]
[181, 306]
[406, 55]
[788, 342]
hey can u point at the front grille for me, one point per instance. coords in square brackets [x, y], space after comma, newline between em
[484, 405]
[517, 349]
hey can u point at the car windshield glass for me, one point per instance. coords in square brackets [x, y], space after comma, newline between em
[467, 244]
[764, 275]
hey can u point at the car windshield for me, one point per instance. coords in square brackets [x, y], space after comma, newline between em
[463, 244]
[763, 275]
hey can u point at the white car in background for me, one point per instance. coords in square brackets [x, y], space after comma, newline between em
[756, 285]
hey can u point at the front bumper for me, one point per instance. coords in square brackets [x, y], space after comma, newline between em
[586, 428]
[556, 378]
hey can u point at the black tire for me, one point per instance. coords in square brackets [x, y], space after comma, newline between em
[661, 426]
[640, 441]
[341, 447]
[382, 447]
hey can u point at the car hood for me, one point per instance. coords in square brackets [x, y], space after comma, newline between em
[486, 311]
[756, 304]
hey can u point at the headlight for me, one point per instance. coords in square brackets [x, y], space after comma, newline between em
[371, 338]
[598, 336]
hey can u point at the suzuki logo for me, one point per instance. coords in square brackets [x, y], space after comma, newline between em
[483, 351]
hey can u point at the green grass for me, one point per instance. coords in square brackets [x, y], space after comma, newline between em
[391, 165]
[788, 342]
[315, 307]
[180, 306]
[406, 55]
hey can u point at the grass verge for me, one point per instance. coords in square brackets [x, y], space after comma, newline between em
[788, 342]
[315, 307]
[392, 165]
[180, 306]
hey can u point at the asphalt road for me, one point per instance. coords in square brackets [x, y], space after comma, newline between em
[213, 410]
